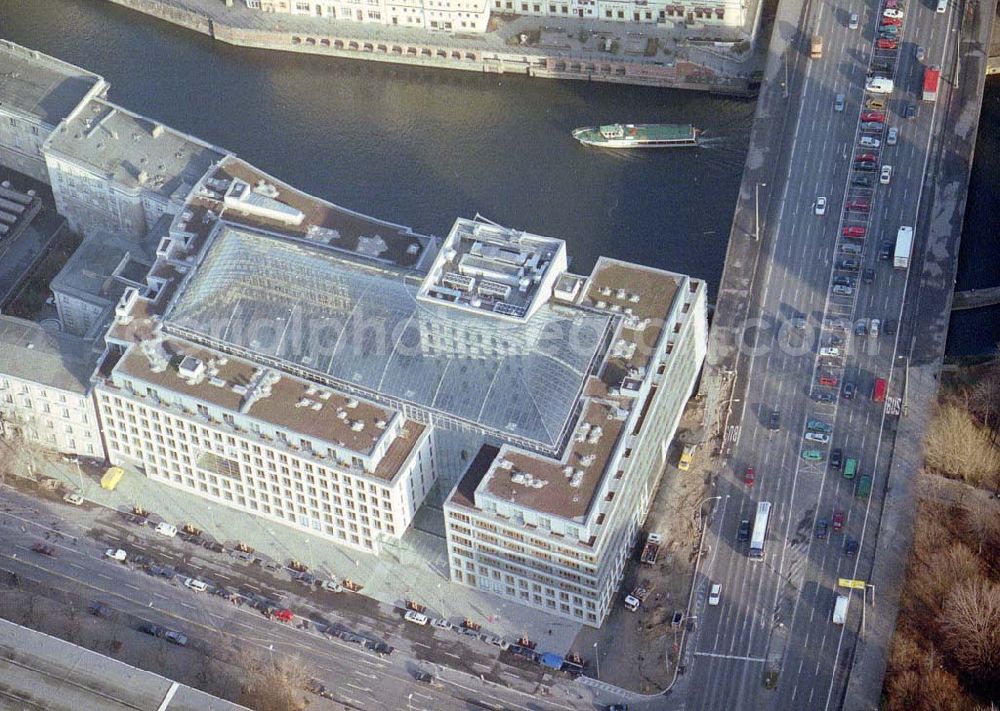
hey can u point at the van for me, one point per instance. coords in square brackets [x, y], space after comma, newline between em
[416, 618]
[166, 529]
[196, 585]
[111, 478]
[942, 6]
[850, 468]
[840, 609]
[864, 487]
[879, 85]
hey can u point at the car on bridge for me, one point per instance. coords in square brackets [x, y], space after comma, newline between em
[920, 54]
[774, 421]
[715, 594]
[839, 102]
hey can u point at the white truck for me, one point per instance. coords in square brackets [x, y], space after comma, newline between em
[840, 609]
[636, 598]
[904, 247]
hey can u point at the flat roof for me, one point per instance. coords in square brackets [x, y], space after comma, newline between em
[322, 222]
[492, 269]
[287, 402]
[31, 352]
[362, 327]
[41, 86]
[133, 150]
[101, 266]
[563, 487]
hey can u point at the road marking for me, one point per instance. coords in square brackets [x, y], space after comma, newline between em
[425, 646]
[366, 690]
[730, 656]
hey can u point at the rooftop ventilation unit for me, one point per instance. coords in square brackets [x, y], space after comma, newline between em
[352, 403]
[191, 368]
[577, 478]
[357, 426]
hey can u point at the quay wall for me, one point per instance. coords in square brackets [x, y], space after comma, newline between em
[437, 53]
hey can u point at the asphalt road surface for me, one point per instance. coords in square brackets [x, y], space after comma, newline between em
[780, 607]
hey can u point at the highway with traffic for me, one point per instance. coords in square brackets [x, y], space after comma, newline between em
[815, 346]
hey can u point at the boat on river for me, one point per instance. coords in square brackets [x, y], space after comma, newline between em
[638, 135]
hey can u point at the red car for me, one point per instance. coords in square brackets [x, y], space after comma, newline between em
[828, 380]
[895, 21]
[284, 615]
[44, 549]
[838, 521]
[865, 158]
[748, 476]
[873, 116]
[859, 205]
[856, 231]
[887, 44]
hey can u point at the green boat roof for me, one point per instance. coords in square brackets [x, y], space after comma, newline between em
[653, 131]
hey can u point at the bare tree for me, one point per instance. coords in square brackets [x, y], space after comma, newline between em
[958, 447]
[982, 521]
[272, 682]
[971, 627]
[984, 400]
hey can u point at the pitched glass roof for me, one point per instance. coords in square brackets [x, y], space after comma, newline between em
[363, 326]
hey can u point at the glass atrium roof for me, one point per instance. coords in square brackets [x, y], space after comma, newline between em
[363, 327]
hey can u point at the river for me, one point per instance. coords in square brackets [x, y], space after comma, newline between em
[422, 147]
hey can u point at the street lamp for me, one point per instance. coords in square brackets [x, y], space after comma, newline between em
[756, 209]
[597, 660]
[701, 505]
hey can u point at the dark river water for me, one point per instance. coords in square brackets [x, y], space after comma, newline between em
[422, 147]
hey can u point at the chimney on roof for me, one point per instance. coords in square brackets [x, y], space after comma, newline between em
[157, 130]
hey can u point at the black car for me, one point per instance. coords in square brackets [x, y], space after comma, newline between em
[851, 547]
[836, 458]
[743, 534]
[866, 166]
[423, 676]
[849, 264]
[843, 281]
[864, 181]
[882, 67]
[616, 707]
[868, 276]
[774, 421]
[849, 389]
[99, 609]
[909, 111]
[151, 629]
[885, 250]
[821, 527]
[823, 396]
[889, 327]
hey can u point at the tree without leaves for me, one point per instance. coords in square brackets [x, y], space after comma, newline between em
[982, 521]
[272, 682]
[958, 447]
[971, 627]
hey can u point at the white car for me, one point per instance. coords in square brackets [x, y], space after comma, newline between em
[332, 586]
[442, 624]
[886, 175]
[73, 498]
[892, 136]
[829, 352]
[116, 554]
[873, 329]
[195, 584]
[417, 618]
[879, 85]
[869, 142]
[818, 437]
[893, 13]
[852, 24]
[715, 594]
[166, 529]
[820, 208]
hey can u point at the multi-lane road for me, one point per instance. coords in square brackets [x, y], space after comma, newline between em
[779, 608]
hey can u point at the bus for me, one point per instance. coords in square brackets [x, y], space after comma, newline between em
[878, 392]
[760, 530]
[111, 478]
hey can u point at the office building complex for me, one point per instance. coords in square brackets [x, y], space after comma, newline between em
[434, 15]
[333, 372]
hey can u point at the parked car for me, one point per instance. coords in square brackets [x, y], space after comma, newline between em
[819, 426]
[812, 455]
[743, 532]
[73, 498]
[855, 231]
[868, 166]
[862, 181]
[441, 624]
[871, 126]
[859, 205]
[849, 264]
[166, 529]
[890, 22]
[818, 437]
[44, 549]
[823, 396]
[828, 380]
[886, 43]
[841, 280]
[425, 677]
[175, 638]
[99, 609]
[869, 115]
[195, 584]
[875, 103]
[865, 157]
[840, 290]
[116, 554]
[417, 618]
[892, 14]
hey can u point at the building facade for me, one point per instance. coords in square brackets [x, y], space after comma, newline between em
[115, 171]
[45, 392]
[36, 93]
[449, 16]
[692, 13]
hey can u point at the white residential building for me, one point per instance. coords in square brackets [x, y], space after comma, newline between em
[36, 93]
[451, 16]
[692, 13]
[45, 392]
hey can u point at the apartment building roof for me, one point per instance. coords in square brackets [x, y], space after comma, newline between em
[103, 266]
[132, 150]
[30, 352]
[246, 196]
[41, 86]
[361, 326]
[264, 394]
[640, 300]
